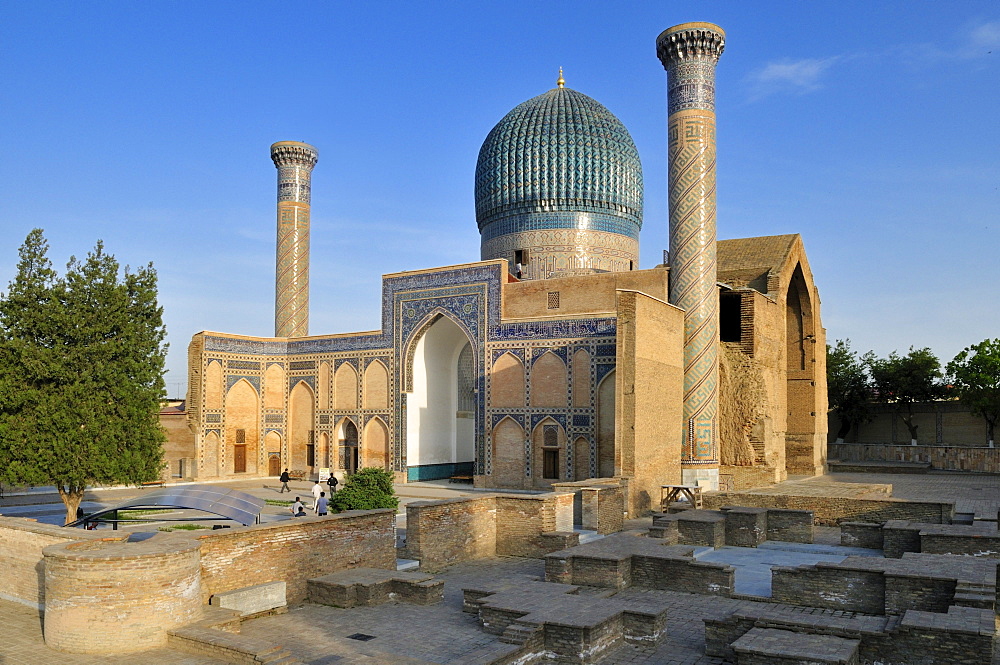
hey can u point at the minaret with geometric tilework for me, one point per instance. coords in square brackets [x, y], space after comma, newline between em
[295, 162]
[689, 53]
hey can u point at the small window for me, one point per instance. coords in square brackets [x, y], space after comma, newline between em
[550, 435]
[550, 464]
[630, 266]
[730, 322]
[553, 300]
[241, 436]
[521, 256]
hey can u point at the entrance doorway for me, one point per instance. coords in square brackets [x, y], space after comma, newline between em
[349, 441]
[239, 459]
[274, 464]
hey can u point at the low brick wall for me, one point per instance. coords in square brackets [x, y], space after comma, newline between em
[22, 574]
[861, 534]
[790, 526]
[295, 551]
[443, 533]
[899, 537]
[831, 510]
[829, 588]
[120, 597]
[736, 478]
[446, 532]
[941, 457]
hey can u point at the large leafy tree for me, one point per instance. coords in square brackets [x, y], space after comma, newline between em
[975, 375]
[81, 374]
[848, 385]
[902, 381]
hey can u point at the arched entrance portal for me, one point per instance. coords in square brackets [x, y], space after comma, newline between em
[347, 435]
[440, 411]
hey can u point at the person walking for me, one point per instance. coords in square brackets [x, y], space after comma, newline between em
[316, 490]
[284, 482]
[321, 504]
[332, 483]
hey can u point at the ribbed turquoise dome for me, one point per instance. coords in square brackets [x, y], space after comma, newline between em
[559, 152]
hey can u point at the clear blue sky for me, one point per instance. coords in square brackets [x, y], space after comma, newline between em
[870, 128]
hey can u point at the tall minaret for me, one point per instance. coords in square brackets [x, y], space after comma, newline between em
[295, 162]
[689, 53]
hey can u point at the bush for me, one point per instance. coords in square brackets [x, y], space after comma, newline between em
[367, 489]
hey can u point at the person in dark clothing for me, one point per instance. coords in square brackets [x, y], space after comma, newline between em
[284, 482]
[332, 482]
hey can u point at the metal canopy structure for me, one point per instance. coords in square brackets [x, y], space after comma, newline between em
[228, 503]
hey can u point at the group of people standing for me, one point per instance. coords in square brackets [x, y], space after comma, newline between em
[320, 502]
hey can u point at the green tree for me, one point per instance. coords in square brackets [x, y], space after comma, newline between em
[81, 374]
[369, 488]
[848, 386]
[902, 381]
[975, 374]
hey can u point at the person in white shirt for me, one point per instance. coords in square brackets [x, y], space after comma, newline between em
[316, 490]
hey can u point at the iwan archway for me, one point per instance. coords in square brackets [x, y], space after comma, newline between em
[440, 410]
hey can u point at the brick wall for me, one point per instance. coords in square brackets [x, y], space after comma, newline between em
[522, 519]
[21, 545]
[861, 534]
[949, 458]
[118, 596]
[296, 551]
[830, 511]
[443, 533]
[829, 588]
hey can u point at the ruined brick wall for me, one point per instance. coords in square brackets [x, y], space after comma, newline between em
[829, 588]
[296, 551]
[21, 545]
[117, 596]
[830, 511]
[940, 457]
[861, 534]
[522, 519]
[443, 533]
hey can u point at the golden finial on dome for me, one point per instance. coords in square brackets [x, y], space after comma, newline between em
[561, 81]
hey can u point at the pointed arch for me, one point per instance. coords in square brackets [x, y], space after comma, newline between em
[376, 391]
[430, 319]
[347, 444]
[213, 385]
[606, 426]
[274, 387]
[507, 382]
[210, 447]
[301, 430]
[375, 445]
[581, 458]
[327, 454]
[242, 429]
[345, 387]
[548, 446]
[324, 385]
[581, 378]
[548, 381]
[508, 439]
[272, 449]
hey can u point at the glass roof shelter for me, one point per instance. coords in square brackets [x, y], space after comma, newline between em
[227, 503]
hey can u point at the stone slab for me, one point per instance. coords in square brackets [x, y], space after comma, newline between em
[785, 647]
[252, 599]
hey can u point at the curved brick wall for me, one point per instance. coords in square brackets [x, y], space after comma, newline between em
[119, 597]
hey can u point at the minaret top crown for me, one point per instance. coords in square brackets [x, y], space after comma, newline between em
[689, 41]
[561, 82]
[294, 153]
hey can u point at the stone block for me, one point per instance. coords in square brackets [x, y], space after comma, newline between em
[790, 526]
[899, 536]
[745, 527]
[252, 599]
[706, 528]
[861, 534]
[771, 646]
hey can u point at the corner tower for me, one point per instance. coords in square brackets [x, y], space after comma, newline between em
[689, 53]
[559, 188]
[295, 162]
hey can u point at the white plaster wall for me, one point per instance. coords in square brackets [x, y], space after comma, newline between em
[431, 428]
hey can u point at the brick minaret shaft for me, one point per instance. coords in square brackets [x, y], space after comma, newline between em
[295, 162]
[689, 53]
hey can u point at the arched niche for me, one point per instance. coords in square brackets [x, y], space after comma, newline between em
[213, 385]
[606, 426]
[242, 429]
[548, 381]
[301, 430]
[274, 387]
[581, 378]
[508, 439]
[375, 445]
[548, 458]
[345, 387]
[507, 382]
[376, 392]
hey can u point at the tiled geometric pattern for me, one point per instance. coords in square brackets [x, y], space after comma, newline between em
[559, 161]
[294, 162]
[689, 54]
